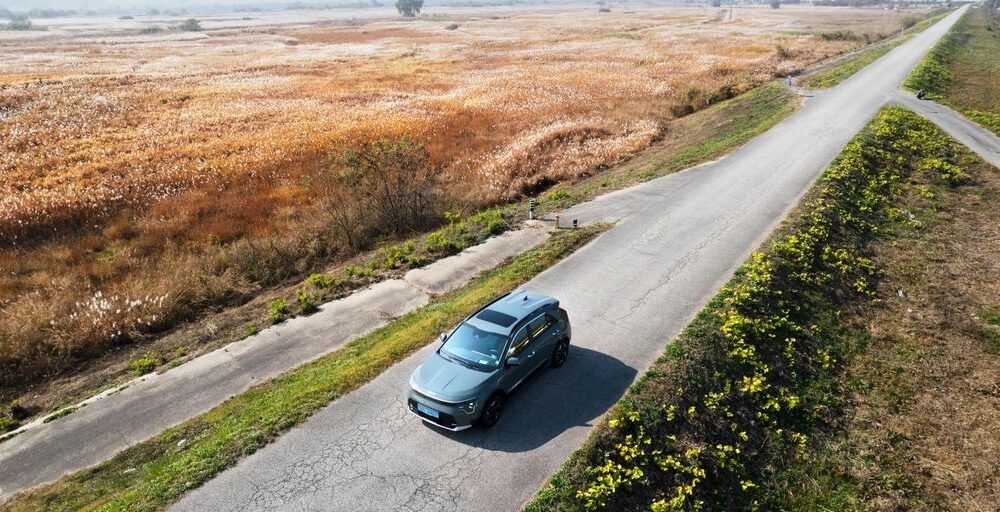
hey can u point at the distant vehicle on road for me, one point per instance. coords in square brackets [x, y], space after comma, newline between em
[466, 380]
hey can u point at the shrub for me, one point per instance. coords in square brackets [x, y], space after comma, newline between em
[354, 271]
[251, 329]
[556, 195]
[384, 187]
[145, 364]
[306, 301]
[19, 22]
[775, 4]
[909, 21]
[278, 309]
[393, 257]
[415, 261]
[190, 25]
[452, 26]
[7, 423]
[323, 281]
[440, 242]
[18, 411]
[841, 35]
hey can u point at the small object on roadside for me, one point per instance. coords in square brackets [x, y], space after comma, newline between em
[921, 94]
[531, 209]
[575, 224]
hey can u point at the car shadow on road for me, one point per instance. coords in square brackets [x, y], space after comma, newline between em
[552, 401]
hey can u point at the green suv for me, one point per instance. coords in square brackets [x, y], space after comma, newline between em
[466, 380]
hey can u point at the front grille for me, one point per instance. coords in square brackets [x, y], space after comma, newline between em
[435, 400]
[443, 419]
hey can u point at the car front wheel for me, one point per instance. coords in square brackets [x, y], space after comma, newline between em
[491, 411]
[560, 353]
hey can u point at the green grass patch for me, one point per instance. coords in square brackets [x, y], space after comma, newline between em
[991, 315]
[162, 468]
[59, 414]
[145, 364]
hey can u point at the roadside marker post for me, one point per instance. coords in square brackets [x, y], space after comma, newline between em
[531, 209]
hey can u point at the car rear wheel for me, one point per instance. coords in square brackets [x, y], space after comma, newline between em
[560, 353]
[491, 411]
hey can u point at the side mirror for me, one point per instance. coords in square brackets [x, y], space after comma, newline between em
[443, 337]
[513, 361]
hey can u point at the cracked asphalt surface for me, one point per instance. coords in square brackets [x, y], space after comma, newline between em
[677, 239]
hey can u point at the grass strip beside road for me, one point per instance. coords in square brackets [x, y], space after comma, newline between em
[834, 75]
[962, 70]
[154, 473]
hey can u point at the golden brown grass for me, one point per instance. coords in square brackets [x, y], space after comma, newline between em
[147, 179]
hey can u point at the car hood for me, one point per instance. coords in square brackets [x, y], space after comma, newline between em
[444, 380]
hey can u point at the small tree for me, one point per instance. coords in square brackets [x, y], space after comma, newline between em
[191, 25]
[409, 8]
[775, 4]
[384, 187]
[19, 22]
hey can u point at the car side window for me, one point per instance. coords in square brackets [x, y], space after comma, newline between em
[519, 341]
[539, 325]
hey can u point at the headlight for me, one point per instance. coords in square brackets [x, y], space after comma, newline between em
[468, 407]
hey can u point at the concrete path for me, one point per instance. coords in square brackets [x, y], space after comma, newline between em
[980, 140]
[677, 239]
[119, 418]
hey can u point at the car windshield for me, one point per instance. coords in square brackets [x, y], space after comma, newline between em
[476, 346]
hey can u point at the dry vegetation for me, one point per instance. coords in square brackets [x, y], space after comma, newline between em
[148, 178]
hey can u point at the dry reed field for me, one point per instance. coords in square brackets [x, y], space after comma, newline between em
[148, 177]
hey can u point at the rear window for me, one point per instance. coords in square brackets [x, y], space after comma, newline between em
[496, 317]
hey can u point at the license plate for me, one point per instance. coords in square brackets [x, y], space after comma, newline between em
[427, 410]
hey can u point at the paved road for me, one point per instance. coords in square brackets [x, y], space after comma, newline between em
[120, 418]
[978, 139]
[677, 239]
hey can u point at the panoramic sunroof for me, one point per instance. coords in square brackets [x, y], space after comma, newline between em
[496, 317]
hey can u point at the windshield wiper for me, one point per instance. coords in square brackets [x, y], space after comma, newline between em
[456, 359]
